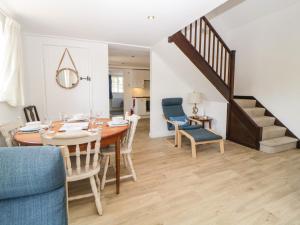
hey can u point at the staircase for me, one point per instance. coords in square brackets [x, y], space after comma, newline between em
[248, 122]
[273, 136]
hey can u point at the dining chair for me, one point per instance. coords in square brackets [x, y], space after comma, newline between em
[85, 163]
[8, 131]
[31, 113]
[126, 150]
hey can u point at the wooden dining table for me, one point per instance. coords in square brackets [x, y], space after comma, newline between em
[109, 135]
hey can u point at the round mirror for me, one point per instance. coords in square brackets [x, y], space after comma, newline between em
[67, 78]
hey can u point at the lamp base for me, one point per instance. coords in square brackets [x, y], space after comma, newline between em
[195, 110]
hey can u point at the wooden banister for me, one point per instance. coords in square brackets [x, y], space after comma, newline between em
[212, 50]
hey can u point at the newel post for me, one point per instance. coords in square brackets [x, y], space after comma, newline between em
[232, 69]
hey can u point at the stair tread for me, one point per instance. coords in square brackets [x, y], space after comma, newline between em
[278, 141]
[246, 103]
[254, 108]
[273, 128]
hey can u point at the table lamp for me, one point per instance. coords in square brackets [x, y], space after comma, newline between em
[195, 98]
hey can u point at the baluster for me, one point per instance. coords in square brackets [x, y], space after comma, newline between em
[204, 47]
[221, 67]
[185, 32]
[213, 53]
[218, 49]
[195, 41]
[209, 37]
[225, 67]
[200, 36]
[68, 161]
[78, 166]
[191, 29]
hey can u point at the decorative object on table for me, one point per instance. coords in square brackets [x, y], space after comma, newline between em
[195, 98]
[86, 163]
[126, 150]
[8, 131]
[32, 185]
[174, 114]
[31, 113]
[67, 78]
[203, 120]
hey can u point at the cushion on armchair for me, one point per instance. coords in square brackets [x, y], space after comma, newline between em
[32, 186]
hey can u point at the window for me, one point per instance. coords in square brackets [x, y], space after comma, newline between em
[117, 84]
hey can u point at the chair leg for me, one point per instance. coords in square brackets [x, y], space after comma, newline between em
[194, 153]
[125, 160]
[97, 195]
[97, 181]
[222, 146]
[176, 138]
[179, 140]
[105, 171]
[131, 166]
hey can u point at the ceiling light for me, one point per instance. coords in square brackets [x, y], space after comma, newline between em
[150, 17]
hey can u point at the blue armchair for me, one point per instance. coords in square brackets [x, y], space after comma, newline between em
[32, 186]
[176, 118]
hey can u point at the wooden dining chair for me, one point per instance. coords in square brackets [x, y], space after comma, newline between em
[126, 150]
[8, 131]
[85, 164]
[31, 113]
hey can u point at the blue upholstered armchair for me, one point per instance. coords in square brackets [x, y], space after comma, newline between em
[175, 117]
[32, 186]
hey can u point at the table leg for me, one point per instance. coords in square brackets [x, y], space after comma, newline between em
[117, 154]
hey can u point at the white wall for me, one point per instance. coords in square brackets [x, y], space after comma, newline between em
[267, 58]
[173, 75]
[94, 60]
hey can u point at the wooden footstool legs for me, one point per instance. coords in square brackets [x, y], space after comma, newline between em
[194, 143]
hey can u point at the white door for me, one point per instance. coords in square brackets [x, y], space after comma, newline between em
[61, 100]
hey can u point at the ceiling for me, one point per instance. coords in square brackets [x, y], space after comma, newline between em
[119, 21]
[224, 17]
[128, 56]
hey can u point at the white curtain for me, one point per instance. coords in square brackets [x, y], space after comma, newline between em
[11, 67]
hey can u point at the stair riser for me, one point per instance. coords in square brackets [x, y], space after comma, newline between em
[246, 103]
[273, 134]
[265, 122]
[256, 112]
[279, 148]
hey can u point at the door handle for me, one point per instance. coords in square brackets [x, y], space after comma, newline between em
[87, 78]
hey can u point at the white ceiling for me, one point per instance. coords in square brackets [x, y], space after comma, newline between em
[121, 21]
[128, 56]
[224, 17]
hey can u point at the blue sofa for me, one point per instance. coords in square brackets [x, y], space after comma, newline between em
[32, 186]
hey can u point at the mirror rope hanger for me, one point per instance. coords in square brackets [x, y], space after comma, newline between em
[62, 58]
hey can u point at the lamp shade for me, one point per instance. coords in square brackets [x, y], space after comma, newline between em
[195, 97]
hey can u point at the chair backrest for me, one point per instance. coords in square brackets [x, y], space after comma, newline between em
[79, 140]
[8, 131]
[31, 113]
[172, 107]
[133, 121]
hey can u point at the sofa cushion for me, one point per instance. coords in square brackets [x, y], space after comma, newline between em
[42, 209]
[28, 171]
[202, 134]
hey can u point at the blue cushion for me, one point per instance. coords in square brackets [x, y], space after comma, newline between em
[181, 120]
[172, 107]
[202, 134]
[42, 209]
[30, 170]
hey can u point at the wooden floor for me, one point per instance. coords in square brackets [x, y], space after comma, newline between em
[243, 186]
